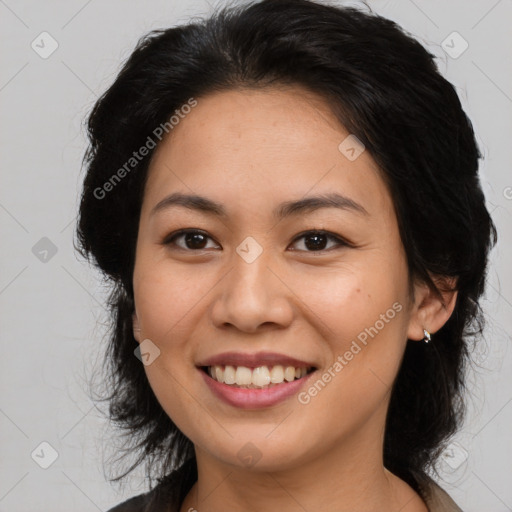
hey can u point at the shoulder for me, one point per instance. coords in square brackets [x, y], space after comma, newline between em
[167, 496]
[436, 498]
[135, 504]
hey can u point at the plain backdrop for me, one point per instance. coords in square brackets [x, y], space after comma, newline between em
[52, 315]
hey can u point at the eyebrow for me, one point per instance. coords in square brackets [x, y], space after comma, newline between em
[286, 209]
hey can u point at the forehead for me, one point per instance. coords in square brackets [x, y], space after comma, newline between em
[261, 146]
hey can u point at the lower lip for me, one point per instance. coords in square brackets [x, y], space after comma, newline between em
[244, 398]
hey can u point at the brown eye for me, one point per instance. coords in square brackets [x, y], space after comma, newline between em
[315, 241]
[190, 240]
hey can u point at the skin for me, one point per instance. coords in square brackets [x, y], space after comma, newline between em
[251, 150]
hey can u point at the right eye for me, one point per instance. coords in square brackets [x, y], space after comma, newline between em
[193, 240]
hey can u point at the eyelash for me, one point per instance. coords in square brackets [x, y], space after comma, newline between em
[170, 239]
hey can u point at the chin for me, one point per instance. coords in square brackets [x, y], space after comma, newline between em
[260, 452]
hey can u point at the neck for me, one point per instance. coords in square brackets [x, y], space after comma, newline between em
[349, 478]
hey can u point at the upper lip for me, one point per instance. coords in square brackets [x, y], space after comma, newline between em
[254, 360]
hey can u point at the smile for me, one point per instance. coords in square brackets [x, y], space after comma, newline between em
[261, 377]
[254, 381]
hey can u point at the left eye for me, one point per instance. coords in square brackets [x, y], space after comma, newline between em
[197, 240]
[317, 240]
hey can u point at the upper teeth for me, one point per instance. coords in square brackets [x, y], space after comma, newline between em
[257, 377]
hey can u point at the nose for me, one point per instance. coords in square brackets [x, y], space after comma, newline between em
[253, 297]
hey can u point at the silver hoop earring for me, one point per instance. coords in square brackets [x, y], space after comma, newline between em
[426, 336]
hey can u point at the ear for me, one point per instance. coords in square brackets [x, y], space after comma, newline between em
[429, 311]
[136, 326]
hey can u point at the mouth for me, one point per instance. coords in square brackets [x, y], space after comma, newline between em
[255, 381]
[260, 377]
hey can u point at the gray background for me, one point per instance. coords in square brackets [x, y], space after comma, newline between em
[51, 303]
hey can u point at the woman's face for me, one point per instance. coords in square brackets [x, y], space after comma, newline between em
[257, 288]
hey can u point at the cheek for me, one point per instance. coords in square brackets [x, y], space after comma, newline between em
[166, 302]
[166, 298]
[345, 301]
[362, 316]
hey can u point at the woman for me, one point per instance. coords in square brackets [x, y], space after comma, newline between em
[285, 199]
